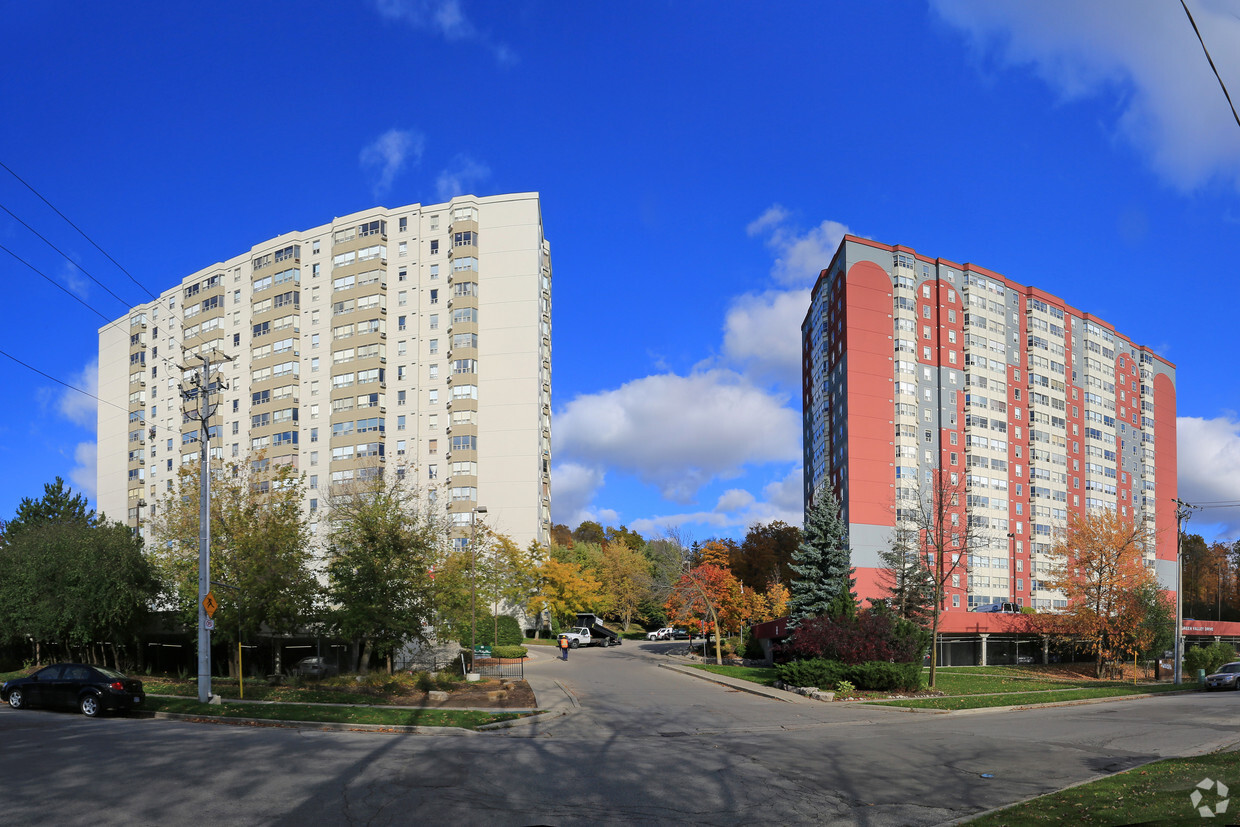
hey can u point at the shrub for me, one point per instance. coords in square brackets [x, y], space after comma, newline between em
[1209, 658]
[845, 688]
[509, 651]
[814, 672]
[875, 676]
[510, 633]
[873, 635]
[425, 681]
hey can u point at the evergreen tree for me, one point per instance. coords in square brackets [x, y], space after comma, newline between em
[823, 580]
[909, 582]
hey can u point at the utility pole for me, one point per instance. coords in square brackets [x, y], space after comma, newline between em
[1182, 512]
[200, 393]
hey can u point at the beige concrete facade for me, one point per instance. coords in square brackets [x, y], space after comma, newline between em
[416, 337]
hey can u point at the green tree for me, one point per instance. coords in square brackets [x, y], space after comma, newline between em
[260, 547]
[589, 532]
[383, 543]
[821, 562]
[57, 505]
[626, 581]
[623, 536]
[72, 579]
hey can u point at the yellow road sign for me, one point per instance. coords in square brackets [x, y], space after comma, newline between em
[210, 604]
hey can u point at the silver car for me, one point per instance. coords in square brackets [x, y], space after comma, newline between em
[1226, 676]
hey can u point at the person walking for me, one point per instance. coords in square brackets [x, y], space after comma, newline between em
[564, 646]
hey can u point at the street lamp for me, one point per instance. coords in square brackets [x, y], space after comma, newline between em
[473, 591]
[1012, 573]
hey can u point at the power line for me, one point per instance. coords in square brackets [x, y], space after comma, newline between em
[76, 227]
[66, 384]
[1211, 61]
[65, 255]
[59, 286]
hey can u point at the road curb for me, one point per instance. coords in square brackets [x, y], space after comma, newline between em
[1018, 707]
[743, 686]
[316, 725]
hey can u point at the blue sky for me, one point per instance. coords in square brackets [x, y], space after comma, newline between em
[697, 162]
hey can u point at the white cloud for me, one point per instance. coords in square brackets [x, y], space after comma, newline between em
[762, 333]
[75, 279]
[461, 178]
[737, 509]
[679, 432]
[444, 17]
[1209, 467]
[799, 256]
[575, 487]
[389, 154]
[83, 475]
[1143, 56]
[79, 408]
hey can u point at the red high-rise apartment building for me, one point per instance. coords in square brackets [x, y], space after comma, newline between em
[918, 369]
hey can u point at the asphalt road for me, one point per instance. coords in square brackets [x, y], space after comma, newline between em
[645, 746]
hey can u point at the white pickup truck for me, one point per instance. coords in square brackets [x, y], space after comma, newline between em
[594, 634]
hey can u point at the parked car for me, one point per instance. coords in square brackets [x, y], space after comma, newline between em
[90, 689]
[1226, 676]
[667, 633]
[314, 668]
[1002, 608]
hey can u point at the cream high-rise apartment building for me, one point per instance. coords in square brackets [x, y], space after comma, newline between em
[417, 337]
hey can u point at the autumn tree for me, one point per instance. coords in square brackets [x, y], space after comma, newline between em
[384, 540]
[563, 589]
[821, 563]
[260, 546]
[711, 597]
[1100, 566]
[932, 516]
[765, 556]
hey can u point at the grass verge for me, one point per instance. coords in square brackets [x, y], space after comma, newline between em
[311, 713]
[753, 674]
[1157, 793]
[1026, 698]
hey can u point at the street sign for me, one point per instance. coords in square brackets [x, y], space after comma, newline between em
[210, 624]
[210, 604]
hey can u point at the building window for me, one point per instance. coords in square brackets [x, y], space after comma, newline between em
[400, 323]
[434, 297]
[432, 446]
[434, 396]
[434, 247]
[434, 271]
[400, 423]
[402, 249]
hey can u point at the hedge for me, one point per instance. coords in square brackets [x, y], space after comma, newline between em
[874, 676]
[509, 651]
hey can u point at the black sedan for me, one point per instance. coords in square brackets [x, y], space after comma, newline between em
[91, 689]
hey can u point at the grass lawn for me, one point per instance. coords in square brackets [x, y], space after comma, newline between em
[1156, 793]
[972, 683]
[1009, 698]
[754, 674]
[542, 641]
[465, 719]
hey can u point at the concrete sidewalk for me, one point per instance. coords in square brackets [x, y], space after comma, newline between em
[742, 685]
